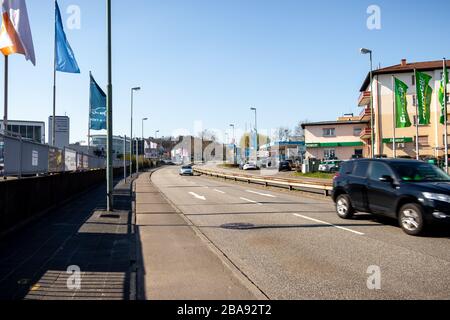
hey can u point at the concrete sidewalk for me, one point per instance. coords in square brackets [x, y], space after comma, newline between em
[34, 262]
[177, 264]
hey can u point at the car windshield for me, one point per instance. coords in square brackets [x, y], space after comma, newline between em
[187, 168]
[420, 172]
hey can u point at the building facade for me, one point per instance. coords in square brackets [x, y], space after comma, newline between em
[100, 143]
[29, 130]
[430, 138]
[341, 139]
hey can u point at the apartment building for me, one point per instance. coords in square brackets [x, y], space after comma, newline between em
[431, 137]
[341, 139]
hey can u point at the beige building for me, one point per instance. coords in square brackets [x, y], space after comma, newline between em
[341, 139]
[431, 137]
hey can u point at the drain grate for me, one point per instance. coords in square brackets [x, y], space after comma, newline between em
[238, 226]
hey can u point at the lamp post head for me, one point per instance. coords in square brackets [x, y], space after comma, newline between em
[144, 119]
[253, 109]
[136, 88]
[365, 51]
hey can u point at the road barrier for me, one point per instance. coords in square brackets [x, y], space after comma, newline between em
[19, 157]
[324, 188]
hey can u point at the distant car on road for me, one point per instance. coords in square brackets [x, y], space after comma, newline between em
[250, 166]
[285, 166]
[186, 171]
[330, 166]
[413, 192]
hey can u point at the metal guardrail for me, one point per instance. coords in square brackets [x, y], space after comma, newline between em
[291, 184]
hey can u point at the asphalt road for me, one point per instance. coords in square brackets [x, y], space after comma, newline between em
[295, 247]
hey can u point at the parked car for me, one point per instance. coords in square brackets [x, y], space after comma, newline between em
[415, 193]
[250, 166]
[186, 171]
[330, 166]
[284, 166]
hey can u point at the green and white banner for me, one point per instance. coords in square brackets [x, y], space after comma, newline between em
[401, 104]
[442, 100]
[424, 94]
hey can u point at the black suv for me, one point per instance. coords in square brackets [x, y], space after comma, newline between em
[414, 192]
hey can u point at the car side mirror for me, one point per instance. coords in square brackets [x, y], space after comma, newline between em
[387, 179]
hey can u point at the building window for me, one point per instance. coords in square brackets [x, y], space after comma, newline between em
[413, 79]
[414, 100]
[357, 132]
[329, 154]
[359, 153]
[329, 132]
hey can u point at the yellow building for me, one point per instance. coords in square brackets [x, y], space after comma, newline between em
[431, 137]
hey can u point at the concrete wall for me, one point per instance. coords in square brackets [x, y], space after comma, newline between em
[21, 200]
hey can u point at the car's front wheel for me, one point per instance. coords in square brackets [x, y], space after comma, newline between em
[344, 208]
[411, 219]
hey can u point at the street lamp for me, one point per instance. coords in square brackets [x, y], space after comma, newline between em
[131, 135]
[156, 134]
[137, 145]
[372, 115]
[256, 128]
[234, 143]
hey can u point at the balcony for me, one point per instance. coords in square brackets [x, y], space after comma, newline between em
[366, 134]
[364, 99]
[366, 114]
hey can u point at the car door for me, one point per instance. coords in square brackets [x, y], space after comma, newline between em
[381, 194]
[357, 185]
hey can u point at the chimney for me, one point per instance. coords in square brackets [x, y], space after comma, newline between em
[404, 63]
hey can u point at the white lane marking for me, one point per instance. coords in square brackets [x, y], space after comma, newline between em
[219, 191]
[251, 201]
[261, 194]
[197, 196]
[329, 224]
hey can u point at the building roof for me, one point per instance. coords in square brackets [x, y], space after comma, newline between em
[405, 67]
[332, 123]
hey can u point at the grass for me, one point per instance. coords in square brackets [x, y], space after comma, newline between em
[317, 175]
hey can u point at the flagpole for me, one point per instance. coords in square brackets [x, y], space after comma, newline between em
[417, 121]
[110, 186]
[445, 116]
[394, 116]
[54, 89]
[5, 114]
[89, 118]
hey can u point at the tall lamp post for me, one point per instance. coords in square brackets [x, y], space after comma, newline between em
[256, 130]
[137, 150]
[234, 142]
[131, 135]
[372, 115]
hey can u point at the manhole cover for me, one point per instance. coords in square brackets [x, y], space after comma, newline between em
[110, 216]
[238, 226]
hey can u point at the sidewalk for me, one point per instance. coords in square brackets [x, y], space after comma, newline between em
[177, 263]
[34, 261]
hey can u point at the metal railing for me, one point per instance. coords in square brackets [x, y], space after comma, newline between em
[324, 188]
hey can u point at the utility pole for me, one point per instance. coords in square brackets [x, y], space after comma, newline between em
[109, 177]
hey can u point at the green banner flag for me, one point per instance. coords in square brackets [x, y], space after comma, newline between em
[442, 101]
[401, 105]
[424, 93]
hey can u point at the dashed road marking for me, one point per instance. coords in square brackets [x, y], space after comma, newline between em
[197, 196]
[329, 224]
[261, 194]
[219, 191]
[252, 201]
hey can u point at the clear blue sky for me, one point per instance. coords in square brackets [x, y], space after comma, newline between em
[210, 60]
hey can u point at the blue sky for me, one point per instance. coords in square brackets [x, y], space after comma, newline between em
[211, 60]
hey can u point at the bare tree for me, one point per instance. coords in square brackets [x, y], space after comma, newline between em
[283, 134]
[299, 132]
[208, 135]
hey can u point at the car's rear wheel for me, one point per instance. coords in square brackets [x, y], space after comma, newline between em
[411, 219]
[344, 207]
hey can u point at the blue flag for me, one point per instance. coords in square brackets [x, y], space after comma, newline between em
[65, 59]
[97, 106]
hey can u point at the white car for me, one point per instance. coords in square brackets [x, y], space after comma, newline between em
[186, 171]
[250, 166]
